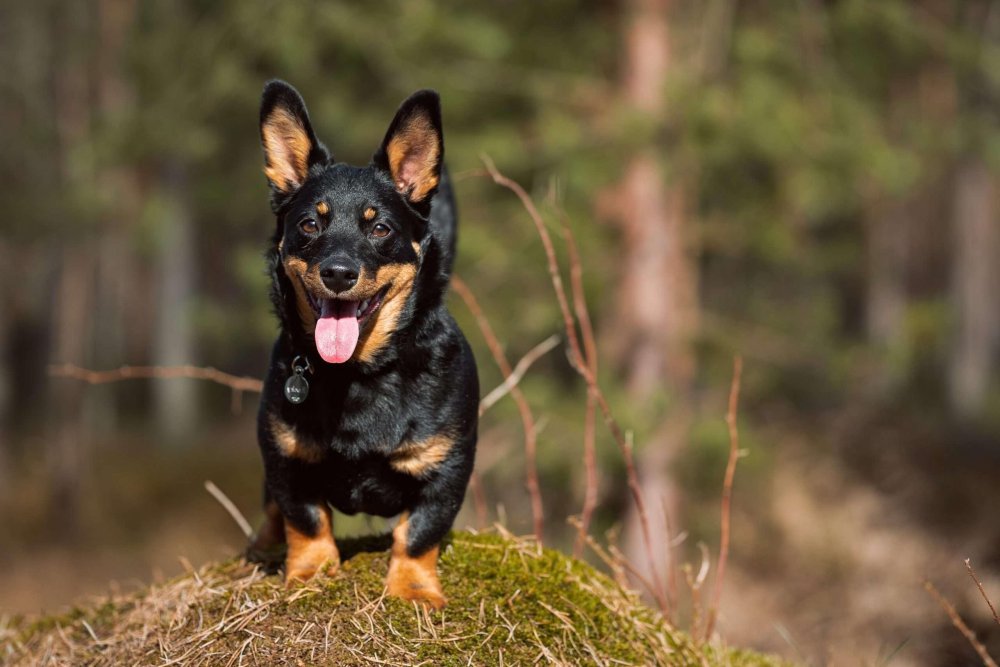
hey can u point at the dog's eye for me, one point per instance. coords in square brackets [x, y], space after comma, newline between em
[380, 231]
[308, 226]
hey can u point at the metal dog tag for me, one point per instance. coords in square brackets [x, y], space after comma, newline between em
[296, 386]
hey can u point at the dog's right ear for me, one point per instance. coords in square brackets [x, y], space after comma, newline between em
[290, 146]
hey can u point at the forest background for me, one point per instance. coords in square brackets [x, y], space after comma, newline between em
[812, 185]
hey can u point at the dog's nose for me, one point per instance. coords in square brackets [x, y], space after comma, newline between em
[339, 276]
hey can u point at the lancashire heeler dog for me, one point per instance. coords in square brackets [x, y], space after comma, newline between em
[370, 402]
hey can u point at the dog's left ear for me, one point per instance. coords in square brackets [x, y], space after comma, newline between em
[413, 148]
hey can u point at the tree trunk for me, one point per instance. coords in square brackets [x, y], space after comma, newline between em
[115, 285]
[656, 300]
[70, 319]
[173, 341]
[887, 297]
[68, 435]
[975, 284]
[6, 384]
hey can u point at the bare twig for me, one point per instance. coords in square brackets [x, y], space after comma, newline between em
[982, 591]
[237, 383]
[959, 624]
[550, 253]
[672, 562]
[234, 382]
[230, 507]
[478, 501]
[577, 359]
[515, 376]
[527, 418]
[727, 493]
[590, 417]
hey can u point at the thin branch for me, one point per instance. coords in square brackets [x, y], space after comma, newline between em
[522, 366]
[479, 501]
[576, 357]
[960, 625]
[727, 492]
[235, 382]
[230, 507]
[550, 253]
[527, 418]
[590, 417]
[672, 560]
[982, 591]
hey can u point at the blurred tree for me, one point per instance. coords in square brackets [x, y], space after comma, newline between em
[975, 274]
[807, 183]
[655, 316]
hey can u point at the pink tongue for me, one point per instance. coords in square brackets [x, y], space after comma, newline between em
[337, 331]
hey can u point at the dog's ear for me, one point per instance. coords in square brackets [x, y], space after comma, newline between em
[290, 146]
[413, 149]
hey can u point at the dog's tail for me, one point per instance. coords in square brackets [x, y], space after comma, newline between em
[444, 221]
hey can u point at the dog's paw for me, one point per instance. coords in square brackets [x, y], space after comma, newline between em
[412, 579]
[303, 566]
[303, 572]
[416, 592]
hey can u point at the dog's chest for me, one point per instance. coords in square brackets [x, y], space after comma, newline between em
[374, 417]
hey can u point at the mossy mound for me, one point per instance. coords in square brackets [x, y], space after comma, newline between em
[509, 603]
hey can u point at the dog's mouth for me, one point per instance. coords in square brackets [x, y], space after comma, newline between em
[339, 323]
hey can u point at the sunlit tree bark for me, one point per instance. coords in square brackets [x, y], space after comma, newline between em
[975, 285]
[656, 314]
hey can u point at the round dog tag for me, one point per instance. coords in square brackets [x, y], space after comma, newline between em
[296, 388]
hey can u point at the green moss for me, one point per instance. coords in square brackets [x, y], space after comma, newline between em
[508, 602]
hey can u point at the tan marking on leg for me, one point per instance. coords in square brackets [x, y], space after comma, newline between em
[370, 213]
[413, 578]
[419, 458]
[380, 331]
[308, 554]
[322, 208]
[271, 533]
[292, 444]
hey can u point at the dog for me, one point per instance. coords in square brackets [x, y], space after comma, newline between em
[370, 403]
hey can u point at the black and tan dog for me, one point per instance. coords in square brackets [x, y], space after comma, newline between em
[370, 401]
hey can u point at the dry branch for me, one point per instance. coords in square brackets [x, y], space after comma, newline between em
[960, 625]
[527, 418]
[727, 493]
[522, 366]
[982, 591]
[235, 382]
[478, 501]
[577, 359]
[230, 507]
[590, 352]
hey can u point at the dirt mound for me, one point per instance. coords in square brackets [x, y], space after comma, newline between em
[509, 603]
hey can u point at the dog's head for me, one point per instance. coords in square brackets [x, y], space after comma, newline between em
[349, 239]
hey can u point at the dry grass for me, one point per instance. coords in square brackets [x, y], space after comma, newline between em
[511, 603]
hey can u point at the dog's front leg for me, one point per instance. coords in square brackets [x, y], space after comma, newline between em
[311, 548]
[413, 564]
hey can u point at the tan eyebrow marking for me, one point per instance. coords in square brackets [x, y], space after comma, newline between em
[370, 213]
[322, 208]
